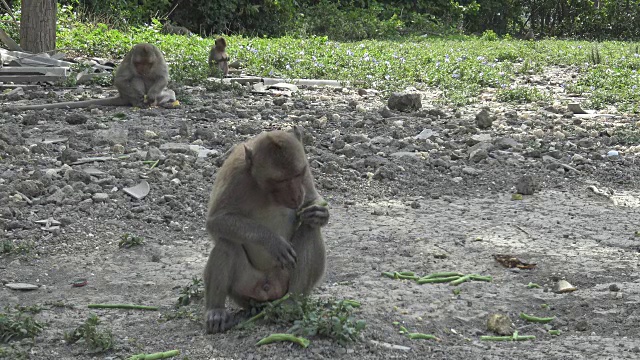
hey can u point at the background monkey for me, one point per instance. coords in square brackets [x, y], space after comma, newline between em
[143, 72]
[218, 57]
[264, 218]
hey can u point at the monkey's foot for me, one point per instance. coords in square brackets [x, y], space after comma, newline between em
[220, 320]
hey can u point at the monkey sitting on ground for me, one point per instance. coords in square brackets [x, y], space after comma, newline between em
[141, 80]
[218, 57]
[264, 218]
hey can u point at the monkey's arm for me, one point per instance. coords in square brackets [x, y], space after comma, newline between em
[244, 231]
[156, 89]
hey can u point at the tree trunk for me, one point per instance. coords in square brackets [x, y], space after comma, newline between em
[38, 25]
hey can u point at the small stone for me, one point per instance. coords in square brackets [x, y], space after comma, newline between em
[362, 92]
[100, 197]
[538, 133]
[614, 287]
[468, 170]
[562, 287]
[526, 185]
[478, 155]
[484, 120]
[150, 134]
[613, 154]
[405, 102]
[559, 135]
[21, 286]
[582, 325]
[385, 112]
[117, 149]
[360, 108]
[279, 101]
[577, 159]
[76, 119]
[500, 324]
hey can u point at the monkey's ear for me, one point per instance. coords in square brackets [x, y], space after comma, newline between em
[297, 131]
[248, 156]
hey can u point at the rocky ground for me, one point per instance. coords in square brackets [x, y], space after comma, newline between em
[425, 190]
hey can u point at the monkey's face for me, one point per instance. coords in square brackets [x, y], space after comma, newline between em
[285, 187]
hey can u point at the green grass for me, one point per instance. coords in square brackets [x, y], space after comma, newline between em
[15, 325]
[95, 339]
[460, 67]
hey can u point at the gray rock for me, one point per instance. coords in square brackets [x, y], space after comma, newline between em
[154, 154]
[478, 155]
[385, 112]
[468, 170]
[507, 143]
[484, 120]
[405, 102]
[526, 185]
[76, 119]
[30, 188]
[100, 197]
[500, 324]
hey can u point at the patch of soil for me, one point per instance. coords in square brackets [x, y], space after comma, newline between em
[422, 191]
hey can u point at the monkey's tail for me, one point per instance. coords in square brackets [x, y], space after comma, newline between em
[110, 101]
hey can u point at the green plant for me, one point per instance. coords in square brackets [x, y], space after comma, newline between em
[191, 292]
[595, 56]
[96, 340]
[15, 324]
[19, 248]
[129, 240]
[328, 318]
[521, 94]
[489, 35]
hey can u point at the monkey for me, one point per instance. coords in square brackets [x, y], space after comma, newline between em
[167, 28]
[218, 56]
[264, 218]
[529, 35]
[141, 80]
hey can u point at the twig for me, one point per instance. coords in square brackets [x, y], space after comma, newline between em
[122, 306]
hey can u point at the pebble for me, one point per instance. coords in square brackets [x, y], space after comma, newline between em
[614, 287]
[100, 197]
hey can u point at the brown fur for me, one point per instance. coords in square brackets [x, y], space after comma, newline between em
[218, 57]
[260, 253]
[143, 71]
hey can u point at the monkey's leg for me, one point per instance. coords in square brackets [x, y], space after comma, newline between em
[309, 246]
[132, 90]
[230, 274]
[218, 277]
[156, 89]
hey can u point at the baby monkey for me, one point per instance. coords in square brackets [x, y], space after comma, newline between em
[218, 57]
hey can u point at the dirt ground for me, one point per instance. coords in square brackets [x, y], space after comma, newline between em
[400, 201]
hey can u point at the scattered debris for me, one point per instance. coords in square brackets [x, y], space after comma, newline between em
[139, 191]
[511, 261]
[500, 324]
[79, 282]
[390, 346]
[21, 286]
[563, 286]
[122, 306]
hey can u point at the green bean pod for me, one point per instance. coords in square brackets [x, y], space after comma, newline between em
[284, 337]
[413, 336]
[536, 319]
[437, 280]
[442, 274]
[460, 280]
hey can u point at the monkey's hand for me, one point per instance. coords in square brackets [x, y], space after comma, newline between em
[219, 320]
[283, 252]
[315, 215]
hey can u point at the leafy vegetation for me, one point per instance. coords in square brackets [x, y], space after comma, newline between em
[96, 340]
[8, 246]
[460, 67]
[129, 240]
[191, 292]
[16, 324]
[310, 317]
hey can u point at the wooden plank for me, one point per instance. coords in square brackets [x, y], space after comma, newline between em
[29, 78]
[27, 58]
[33, 70]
